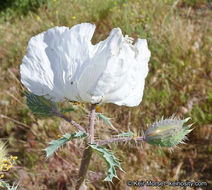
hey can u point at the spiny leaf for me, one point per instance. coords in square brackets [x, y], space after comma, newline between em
[55, 144]
[110, 161]
[40, 105]
[106, 120]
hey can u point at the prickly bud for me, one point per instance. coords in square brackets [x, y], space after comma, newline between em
[167, 133]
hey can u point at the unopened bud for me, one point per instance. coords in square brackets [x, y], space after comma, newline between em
[167, 133]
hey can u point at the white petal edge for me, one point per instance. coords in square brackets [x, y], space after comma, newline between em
[70, 48]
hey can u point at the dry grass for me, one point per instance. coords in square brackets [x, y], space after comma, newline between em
[179, 81]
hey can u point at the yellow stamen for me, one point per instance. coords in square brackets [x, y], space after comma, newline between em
[98, 108]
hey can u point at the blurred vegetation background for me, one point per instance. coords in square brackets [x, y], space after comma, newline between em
[179, 81]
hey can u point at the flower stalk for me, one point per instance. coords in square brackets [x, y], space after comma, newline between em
[119, 139]
[87, 153]
[92, 117]
[70, 120]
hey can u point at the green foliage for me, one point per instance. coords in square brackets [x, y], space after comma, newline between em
[64, 110]
[40, 105]
[7, 186]
[55, 144]
[11, 8]
[110, 161]
[201, 113]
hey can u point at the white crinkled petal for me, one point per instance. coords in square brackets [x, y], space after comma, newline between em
[62, 64]
[119, 69]
[98, 63]
[55, 59]
[140, 72]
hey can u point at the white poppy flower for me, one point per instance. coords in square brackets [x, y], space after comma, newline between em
[62, 64]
